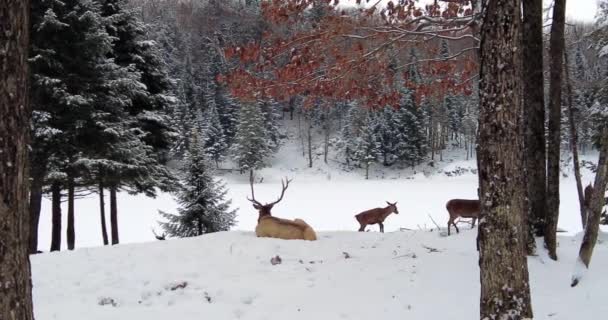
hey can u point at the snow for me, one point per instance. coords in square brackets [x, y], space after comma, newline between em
[344, 275]
[411, 272]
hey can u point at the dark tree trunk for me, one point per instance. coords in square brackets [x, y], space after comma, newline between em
[556, 53]
[309, 136]
[70, 233]
[114, 215]
[15, 272]
[505, 290]
[56, 216]
[595, 208]
[327, 128]
[534, 118]
[35, 207]
[102, 213]
[574, 141]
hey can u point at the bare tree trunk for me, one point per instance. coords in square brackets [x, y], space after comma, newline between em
[114, 215]
[309, 137]
[505, 290]
[556, 53]
[35, 207]
[534, 119]
[574, 141]
[595, 208]
[15, 272]
[102, 213]
[327, 132]
[432, 137]
[70, 232]
[56, 216]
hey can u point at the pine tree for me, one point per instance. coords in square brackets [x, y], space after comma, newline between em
[349, 133]
[251, 145]
[203, 208]
[214, 140]
[270, 109]
[411, 135]
[388, 135]
[367, 148]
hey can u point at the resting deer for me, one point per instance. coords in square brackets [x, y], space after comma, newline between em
[273, 227]
[376, 215]
[462, 208]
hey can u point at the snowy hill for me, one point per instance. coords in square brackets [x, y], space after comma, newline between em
[344, 275]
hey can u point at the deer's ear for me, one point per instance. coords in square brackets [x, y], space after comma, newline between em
[390, 204]
[257, 206]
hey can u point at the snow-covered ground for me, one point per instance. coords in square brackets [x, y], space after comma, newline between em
[411, 272]
[344, 275]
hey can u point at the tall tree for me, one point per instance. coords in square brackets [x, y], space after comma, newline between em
[534, 119]
[556, 54]
[251, 146]
[15, 271]
[505, 288]
[595, 205]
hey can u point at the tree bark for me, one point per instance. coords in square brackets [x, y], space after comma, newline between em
[556, 53]
[102, 212]
[574, 141]
[534, 116]
[15, 271]
[309, 137]
[35, 207]
[56, 216]
[114, 215]
[70, 232]
[505, 290]
[595, 209]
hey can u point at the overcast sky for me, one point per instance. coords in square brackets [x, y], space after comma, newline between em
[581, 9]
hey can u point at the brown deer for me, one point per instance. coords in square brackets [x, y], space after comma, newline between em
[273, 227]
[376, 215]
[462, 208]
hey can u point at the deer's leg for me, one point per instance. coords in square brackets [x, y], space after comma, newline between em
[449, 224]
[381, 227]
[362, 228]
[473, 226]
[455, 226]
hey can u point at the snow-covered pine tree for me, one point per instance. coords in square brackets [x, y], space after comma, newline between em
[69, 76]
[411, 131]
[271, 110]
[202, 199]
[349, 133]
[367, 148]
[214, 139]
[388, 135]
[251, 145]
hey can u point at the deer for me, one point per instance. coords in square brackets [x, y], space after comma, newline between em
[462, 208]
[273, 227]
[376, 215]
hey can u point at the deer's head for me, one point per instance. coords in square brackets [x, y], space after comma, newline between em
[393, 207]
[264, 209]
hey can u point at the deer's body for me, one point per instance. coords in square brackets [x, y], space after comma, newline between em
[376, 215]
[462, 208]
[273, 227]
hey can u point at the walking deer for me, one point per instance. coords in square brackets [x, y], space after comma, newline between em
[376, 215]
[273, 227]
[462, 208]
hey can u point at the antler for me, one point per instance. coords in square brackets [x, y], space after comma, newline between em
[252, 194]
[285, 185]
